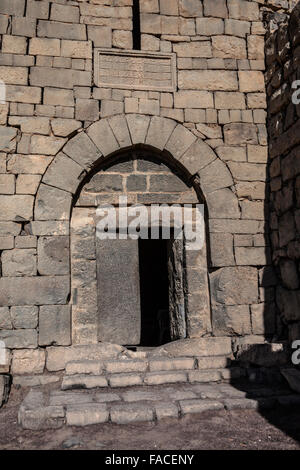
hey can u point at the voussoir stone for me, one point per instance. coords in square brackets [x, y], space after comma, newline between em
[52, 203]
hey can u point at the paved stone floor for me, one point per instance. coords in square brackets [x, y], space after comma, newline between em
[278, 428]
[45, 409]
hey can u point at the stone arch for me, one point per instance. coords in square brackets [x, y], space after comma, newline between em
[104, 138]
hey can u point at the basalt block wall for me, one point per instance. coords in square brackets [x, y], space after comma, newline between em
[57, 124]
[282, 59]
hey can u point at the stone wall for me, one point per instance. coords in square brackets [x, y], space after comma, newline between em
[57, 125]
[282, 58]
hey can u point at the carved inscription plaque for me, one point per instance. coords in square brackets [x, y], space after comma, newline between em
[135, 70]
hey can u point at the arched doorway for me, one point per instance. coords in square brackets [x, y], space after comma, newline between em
[144, 286]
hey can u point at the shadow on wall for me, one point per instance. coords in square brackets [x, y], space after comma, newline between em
[270, 365]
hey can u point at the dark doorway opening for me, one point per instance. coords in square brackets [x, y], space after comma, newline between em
[154, 292]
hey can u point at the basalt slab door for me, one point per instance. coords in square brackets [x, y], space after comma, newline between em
[118, 284]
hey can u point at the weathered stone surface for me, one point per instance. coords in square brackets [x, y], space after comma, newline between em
[234, 286]
[198, 156]
[52, 203]
[24, 317]
[127, 413]
[196, 347]
[215, 176]
[231, 320]
[16, 207]
[28, 362]
[251, 81]
[7, 138]
[243, 10]
[86, 414]
[102, 136]
[82, 150]
[64, 173]
[223, 204]
[229, 47]
[240, 134]
[55, 325]
[19, 339]
[46, 145]
[84, 367]
[58, 357]
[207, 80]
[209, 26]
[138, 127]
[48, 417]
[64, 127]
[40, 290]
[53, 255]
[19, 262]
[193, 99]
[120, 129]
[63, 78]
[222, 249]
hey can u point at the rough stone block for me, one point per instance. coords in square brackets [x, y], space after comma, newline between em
[102, 136]
[193, 49]
[38, 9]
[23, 26]
[47, 47]
[40, 290]
[84, 367]
[234, 286]
[82, 150]
[62, 78]
[51, 29]
[193, 99]
[190, 8]
[57, 97]
[47, 145]
[16, 207]
[100, 35]
[86, 414]
[198, 406]
[128, 413]
[237, 27]
[138, 127]
[52, 204]
[7, 138]
[12, 7]
[243, 10]
[229, 47]
[23, 94]
[209, 26]
[13, 44]
[207, 80]
[19, 339]
[55, 325]
[5, 319]
[158, 378]
[67, 13]
[53, 255]
[251, 81]
[125, 380]
[240, 134]
[28, 362]
[231, 320]
[24, 317]
[72, 382]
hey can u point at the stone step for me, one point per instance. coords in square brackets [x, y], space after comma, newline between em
[44, 410]
[130, 379]
[152, 364]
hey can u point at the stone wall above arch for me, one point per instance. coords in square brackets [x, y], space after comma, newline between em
[104, 138]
